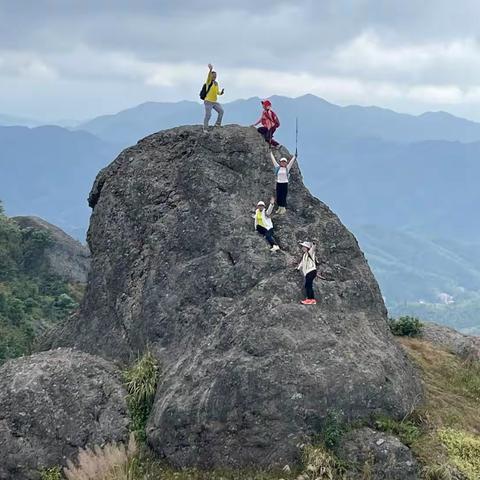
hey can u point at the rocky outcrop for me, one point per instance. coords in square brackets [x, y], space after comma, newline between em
[51, 404]
[465, 346]
[249, 372]
[377, 456]
[63, 256]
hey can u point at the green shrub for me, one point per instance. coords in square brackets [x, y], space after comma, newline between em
[406, 326]
[53, 473]
[141, 383]
[405, 430]
[463, 451]
[333, 429]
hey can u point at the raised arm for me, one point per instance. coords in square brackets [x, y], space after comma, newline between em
[291, 162]
[209, 76]
[269, 211]
[274, 161]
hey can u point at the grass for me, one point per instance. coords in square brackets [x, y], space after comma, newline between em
[141, 384]
[406, 430]
[452, 405]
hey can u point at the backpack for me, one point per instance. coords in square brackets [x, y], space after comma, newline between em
[275, 119]
[204, 91]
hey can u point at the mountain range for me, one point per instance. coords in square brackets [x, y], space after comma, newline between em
[403, 184]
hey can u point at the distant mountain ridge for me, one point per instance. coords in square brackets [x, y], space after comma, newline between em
[328, 120]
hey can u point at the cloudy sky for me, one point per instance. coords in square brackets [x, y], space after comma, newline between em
[78, 59]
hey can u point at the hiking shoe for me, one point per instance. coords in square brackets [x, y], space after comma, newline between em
[283, 211]
[275, 248]
[307, 301]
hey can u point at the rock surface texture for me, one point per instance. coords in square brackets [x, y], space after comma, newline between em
[51, 404]
[465, 346]
[249, 372]
[377, 456]
[65, 256]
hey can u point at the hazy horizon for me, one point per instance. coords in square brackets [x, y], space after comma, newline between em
[76, 61]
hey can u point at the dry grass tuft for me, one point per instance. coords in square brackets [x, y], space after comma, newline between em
[112, 462]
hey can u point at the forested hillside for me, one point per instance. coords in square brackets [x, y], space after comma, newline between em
[31, 296]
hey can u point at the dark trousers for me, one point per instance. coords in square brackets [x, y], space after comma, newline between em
[309, 278]
[268, 234]
[282, 192]
[267, 134]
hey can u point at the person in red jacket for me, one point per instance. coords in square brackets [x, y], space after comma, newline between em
[270, 123]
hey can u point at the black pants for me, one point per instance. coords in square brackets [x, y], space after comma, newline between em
[268, 234]
[267, 134]
[282, 192]
[309, 278]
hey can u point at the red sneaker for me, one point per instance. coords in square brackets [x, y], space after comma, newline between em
[313, 301]
[307, 301]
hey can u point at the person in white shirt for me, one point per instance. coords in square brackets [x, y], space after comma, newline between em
[308, 267]
[264, 224]
[282, 175]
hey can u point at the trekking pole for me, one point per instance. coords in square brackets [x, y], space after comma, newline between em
[296, 136]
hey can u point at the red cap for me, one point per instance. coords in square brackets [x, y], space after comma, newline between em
[266, 103]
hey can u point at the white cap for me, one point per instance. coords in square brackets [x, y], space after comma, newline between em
[260, 203]
[306, 244]
[283, 159]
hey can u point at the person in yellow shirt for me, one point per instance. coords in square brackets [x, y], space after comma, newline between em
[210, 99]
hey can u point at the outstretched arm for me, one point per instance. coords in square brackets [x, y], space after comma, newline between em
[291, 162]
[274, 161]
[269, 211]
[209, 76]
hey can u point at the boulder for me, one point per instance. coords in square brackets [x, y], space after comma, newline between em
[64, 256]
[465, 346]
[377, 456]
[249, 372]
[53, 403]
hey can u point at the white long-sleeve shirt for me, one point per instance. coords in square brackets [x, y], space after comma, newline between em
[265, 220]
[282, 173]
[308, 263]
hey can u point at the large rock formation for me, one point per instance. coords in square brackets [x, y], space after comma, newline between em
[465, 346]
[249, 372]
[64, 256]
[377, 456]
[53, 403]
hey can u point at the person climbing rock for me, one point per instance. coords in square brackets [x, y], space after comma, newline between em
[308, 267]
[209, 94]
[282, 175]
[264, 224]
[270, 123]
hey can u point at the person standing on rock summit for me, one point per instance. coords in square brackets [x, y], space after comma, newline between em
[282, 175]
[308, 267]
[209, 94]
[264, 224]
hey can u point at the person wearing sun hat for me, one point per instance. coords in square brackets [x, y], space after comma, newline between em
[270, 123]
[264, 224]
[282, 176]
[308, 267]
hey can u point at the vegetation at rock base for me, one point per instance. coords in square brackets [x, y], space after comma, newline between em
[53, 473]
[406, 326]
[449, 422]
[141, 383]
[405, 430]
[31, 298]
